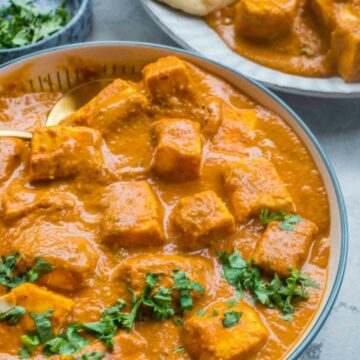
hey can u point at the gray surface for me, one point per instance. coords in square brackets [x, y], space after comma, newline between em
[336, 123]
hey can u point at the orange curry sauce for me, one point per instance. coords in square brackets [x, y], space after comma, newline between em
[127, 151]
[305, 49]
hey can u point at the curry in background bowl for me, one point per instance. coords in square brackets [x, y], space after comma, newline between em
[183, 213]
[312, 38]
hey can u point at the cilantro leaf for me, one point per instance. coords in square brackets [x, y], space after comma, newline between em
[266, 216]
[91, 355]
[289, 222]
[40, 268]
[178, 349]
[231, 318]
[277, 293]
[11, 278]
[66, 343]
[21, 23]
[184, 286]
[43, 325]
[13, 315]
[30, 341]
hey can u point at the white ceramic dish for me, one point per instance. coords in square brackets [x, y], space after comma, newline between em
[194, 34]
[59, 69]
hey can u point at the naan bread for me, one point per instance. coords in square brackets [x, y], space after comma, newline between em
[198, 7]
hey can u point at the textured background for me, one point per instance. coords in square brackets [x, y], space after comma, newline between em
[336, 123]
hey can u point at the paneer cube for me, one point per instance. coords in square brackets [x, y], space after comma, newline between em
[11, 151]
[61, 151]
[265, 19]
[74, 257]
[345, 43]
[324, 10]
[19, 201]
[168, 77]
[133, 215]
[202, 218]
[132, 271]
[36, 299]
[236, 131]
[254, 184]
[205, 337]
[116, 103]
[279, 250]
[177, 155]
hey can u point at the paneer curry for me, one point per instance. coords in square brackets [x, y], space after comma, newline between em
[317, 38]
[171, 217]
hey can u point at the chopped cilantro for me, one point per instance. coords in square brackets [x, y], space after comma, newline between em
[66, 343]
[231, 318]
[288, 222]
[277, 293]
[13, 315]
[91, 355]
[232, 302]
[266, 216]
[43, 325]
[21, 23]
[200, 312]
[178, 321]
[40, 268]
[178, 349]
[31, 341]
[157, 303]
[11, 278]
[184, 286]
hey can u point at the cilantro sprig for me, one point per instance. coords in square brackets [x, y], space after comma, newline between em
[278, 293]
[288, 222]
[154, 302]
[231, 318]
[13, 315]
[10, 277]
[21, 23]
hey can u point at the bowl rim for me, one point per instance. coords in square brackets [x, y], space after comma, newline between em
[72, 22]
[325, 312]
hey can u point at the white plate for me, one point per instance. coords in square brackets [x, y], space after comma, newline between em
[193, 33]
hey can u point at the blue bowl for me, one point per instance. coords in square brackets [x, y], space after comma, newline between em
[55, 69]
[76, 30]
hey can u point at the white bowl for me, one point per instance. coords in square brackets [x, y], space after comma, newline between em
[59, 68]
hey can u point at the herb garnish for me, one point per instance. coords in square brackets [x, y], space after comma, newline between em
[91, 355]
[231, 318]
[43, 325]
[21, 23]
[288, 222]
[11, 278]
[184, 286]
[158, 304]
[266, 216]
[66, 343]
[178, 349]
[13, 315]
[30, 341]
[277, 293]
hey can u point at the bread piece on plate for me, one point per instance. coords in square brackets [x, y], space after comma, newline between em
[198, 7]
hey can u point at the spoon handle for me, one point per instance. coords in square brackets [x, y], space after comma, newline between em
[27, 135]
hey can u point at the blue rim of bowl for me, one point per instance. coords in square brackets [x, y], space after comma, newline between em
[316, 327]
[72, 22]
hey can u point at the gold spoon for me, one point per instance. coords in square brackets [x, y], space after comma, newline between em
[67, 104]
